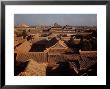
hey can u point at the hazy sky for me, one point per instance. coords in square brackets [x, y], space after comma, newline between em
[61, 19]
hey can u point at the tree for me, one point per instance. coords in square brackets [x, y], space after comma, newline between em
[24, 34]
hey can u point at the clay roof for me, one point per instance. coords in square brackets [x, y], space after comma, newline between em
[72, 57]
[88, 53]
[85, 63]
[37, 56]
[59, 44]
[24, 47]
[34, 68]
[16, 42]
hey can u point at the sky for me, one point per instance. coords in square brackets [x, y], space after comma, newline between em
[61, 19]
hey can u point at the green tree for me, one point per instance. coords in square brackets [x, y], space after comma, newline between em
[24, 34]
